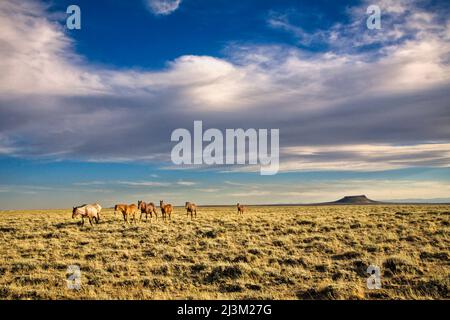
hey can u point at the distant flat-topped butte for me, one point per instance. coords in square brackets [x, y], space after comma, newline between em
[354, 200]
[361, 199]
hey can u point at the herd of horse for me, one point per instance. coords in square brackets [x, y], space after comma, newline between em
[129, 211]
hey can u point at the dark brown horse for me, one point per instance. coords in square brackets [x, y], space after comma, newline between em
[166, 209]
[148, 209]
[191, 208]
[90, 211]
[127, 211]
[240, 208]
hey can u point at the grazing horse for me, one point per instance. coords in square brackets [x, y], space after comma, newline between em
[90, 211]
[166, 209]
[147, 208]
[127, 210]
[240, 208]
[191, 208]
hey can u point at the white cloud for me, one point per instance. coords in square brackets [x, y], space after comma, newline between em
[37, 56]
[5, 145]
[209, 190]
[144, 183]
[366, 157]
[89, 183]
[232, 183]
[163, 7]
[186, 183]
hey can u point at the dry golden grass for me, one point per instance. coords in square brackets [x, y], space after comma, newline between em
[269, 253]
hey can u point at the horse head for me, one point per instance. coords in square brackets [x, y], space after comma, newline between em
[74, 212]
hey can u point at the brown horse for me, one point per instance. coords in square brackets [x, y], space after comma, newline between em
[127, 210]
[90, 211]
[147, 208]
[119, 207]
[240, 208]
[166, 209]
[191, 208]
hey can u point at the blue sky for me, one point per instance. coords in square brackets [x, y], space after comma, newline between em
[86, 115]
[122, 34]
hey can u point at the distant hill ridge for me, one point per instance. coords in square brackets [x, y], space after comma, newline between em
[360, 199]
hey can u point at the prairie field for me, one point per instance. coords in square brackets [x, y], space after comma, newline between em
[306, 252]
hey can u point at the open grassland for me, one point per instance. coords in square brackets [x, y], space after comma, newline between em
[269, 253]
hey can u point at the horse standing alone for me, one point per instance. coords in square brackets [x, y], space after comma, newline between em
[240, 208]
[191, 208]
[90, 211]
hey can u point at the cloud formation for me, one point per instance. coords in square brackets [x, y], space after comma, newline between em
[362, 109]
[163, 7]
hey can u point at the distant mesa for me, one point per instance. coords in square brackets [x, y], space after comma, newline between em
[362, 199]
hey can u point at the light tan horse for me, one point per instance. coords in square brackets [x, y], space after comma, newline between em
[127, 211]
[147, 208]
[240, 208]
[166, 209]
[191, 208]
[90, 211]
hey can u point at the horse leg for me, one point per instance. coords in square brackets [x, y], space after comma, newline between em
[82, 221]
[90, 221]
